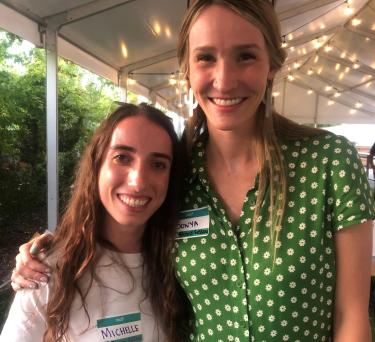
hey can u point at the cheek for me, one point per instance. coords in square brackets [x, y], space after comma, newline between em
[107, 179]
[102, 182]
[198, 83]
[196, 76]
[163, 185]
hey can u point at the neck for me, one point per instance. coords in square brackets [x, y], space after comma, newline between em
[124, 239]
[231, 149]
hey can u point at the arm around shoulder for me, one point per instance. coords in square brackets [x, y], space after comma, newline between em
[26, 320]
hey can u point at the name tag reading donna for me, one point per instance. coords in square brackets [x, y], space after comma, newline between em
[120, 328]
[193, 223]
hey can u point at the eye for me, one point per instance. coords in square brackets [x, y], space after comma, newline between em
[205, 58]
[160, 165]
[121, 158]
[246, 56]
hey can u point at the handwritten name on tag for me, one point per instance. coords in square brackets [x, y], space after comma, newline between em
[125, 328]
[193, 223]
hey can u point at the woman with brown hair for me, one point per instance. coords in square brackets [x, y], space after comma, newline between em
[113, 275]
[274, 239]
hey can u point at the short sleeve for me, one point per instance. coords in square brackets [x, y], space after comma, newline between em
[349, 193]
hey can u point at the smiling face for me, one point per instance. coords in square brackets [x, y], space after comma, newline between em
[134, 176]
[228, 68]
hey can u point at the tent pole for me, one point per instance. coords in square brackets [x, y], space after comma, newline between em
[52, 127]
[316, 110]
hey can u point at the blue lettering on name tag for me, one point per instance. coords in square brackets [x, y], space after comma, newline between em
[124, 328]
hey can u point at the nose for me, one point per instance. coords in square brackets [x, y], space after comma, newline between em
[137, 178]
[225, 77]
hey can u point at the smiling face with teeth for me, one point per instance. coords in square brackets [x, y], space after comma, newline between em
[133, 178]
[228, 68]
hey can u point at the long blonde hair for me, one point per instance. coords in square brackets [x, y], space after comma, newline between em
[271, 125]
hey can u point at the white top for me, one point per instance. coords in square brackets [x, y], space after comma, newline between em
[116, 305]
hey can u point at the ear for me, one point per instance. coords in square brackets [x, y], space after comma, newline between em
[271, 74]
[187, 79]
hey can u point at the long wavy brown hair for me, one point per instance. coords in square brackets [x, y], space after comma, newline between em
[79, 233]
[271, 126]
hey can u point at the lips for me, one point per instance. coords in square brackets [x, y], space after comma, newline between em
[134, 202]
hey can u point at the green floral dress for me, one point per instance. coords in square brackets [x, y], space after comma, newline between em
[238, 291]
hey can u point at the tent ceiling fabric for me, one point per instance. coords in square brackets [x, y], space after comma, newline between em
[328, 77]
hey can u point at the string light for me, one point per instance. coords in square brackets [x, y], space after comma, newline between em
[358, 105]
[337, 94]
[309, 92]
[310, 72]
[356, 22]
[124, 50]
[131, 80]
[328, 48]
[328, 88]
[168, 32]
[353, 111]
[356, 66]
[317, 43]
[348, 9]
[290, 77]
[172, 79]
[284, 44]
[276, 94]
[331, 102]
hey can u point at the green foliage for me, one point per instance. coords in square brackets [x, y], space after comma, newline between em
[83, 101]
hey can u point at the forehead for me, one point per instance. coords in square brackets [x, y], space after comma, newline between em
[142, 134]
[209, 28]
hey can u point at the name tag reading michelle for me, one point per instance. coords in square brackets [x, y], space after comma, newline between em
[120, 328]
[193, 223]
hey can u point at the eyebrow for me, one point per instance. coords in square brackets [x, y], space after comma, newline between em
[132, 149]
[237, 47]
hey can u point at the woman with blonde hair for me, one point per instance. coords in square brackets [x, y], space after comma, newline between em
[274, 239]
[286, 255]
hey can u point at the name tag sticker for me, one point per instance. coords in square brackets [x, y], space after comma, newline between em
[120, 328]
[193, 223]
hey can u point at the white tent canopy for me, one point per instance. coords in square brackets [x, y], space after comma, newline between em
[327, 52]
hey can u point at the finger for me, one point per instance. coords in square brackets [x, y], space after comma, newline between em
[40, 243]
[15, 286]
[25, 260]
[32, 269]
[18, 282]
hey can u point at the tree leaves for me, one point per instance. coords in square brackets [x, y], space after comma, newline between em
[83, 101]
